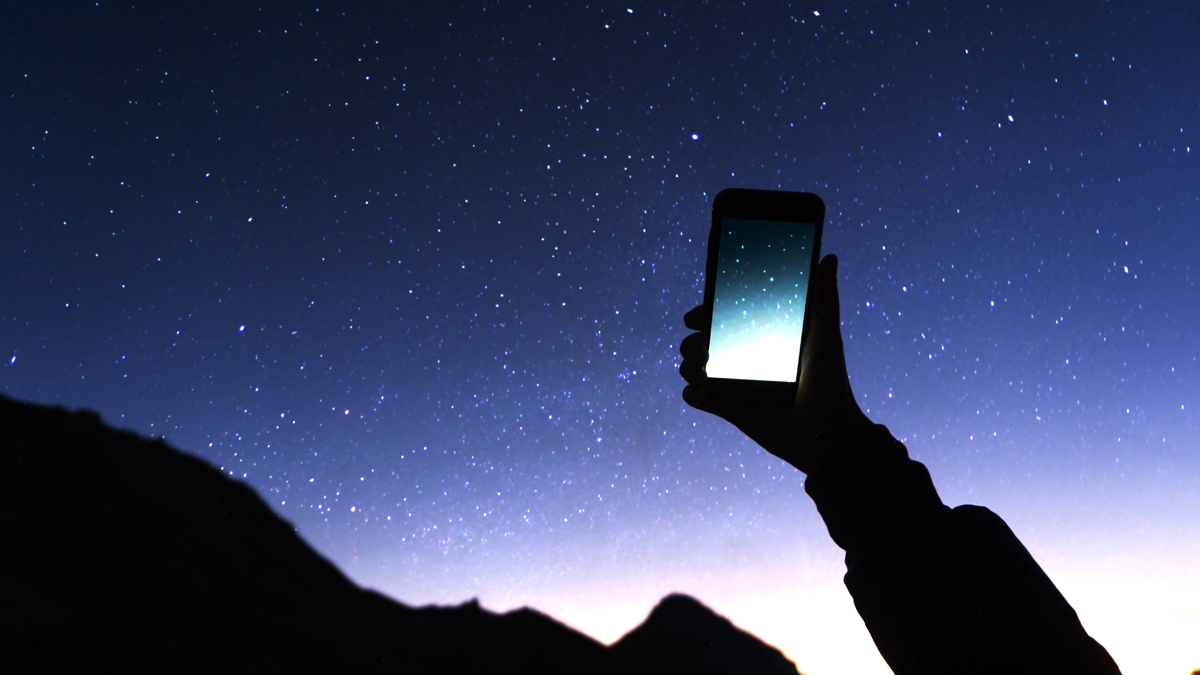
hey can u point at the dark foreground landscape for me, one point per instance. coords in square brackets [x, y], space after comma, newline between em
[122, 554]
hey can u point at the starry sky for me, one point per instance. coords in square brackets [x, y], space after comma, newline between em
[759, 298]
[416, 273]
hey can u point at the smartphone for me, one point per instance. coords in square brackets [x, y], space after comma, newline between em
[762, 249]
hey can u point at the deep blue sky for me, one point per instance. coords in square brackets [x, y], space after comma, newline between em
[417, 276]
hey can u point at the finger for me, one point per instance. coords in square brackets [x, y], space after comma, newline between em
[826, 327]
[832, 348]
[694, 396]
[694, 347]
[697, 318]
[824, 356]
[693, 372]
[831, 311]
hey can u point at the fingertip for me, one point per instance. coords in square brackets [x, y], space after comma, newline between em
[692, 372]
[693, 395]
[829, 269]
[696, 318]
[828, 265]
[692, 347]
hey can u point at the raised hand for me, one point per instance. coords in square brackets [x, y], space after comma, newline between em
[820, 416]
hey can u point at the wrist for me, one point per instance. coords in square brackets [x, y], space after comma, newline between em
[831, 440]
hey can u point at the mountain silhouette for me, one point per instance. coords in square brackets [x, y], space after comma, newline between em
[123, 554]
[683, 636]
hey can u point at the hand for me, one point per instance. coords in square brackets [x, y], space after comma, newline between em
[823, 413]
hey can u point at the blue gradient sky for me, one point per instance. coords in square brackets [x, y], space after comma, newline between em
[758, 300]
[418, 277]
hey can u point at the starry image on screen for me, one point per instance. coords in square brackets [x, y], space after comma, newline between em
[758, 300]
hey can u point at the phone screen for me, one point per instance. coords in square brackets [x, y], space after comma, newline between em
[763, 268]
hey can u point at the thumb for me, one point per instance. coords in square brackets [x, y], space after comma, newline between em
[825, 349]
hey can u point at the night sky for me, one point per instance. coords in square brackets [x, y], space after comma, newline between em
[417, 271]
[758, 300]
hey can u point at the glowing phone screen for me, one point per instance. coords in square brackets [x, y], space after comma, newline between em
[758, 300]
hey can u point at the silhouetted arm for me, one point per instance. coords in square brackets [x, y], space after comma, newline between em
[942, 590]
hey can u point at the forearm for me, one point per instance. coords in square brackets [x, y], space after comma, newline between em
[941, 590]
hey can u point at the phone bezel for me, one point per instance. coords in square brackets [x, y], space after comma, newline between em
[770, 205]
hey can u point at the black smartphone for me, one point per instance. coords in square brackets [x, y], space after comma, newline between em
[762, 249]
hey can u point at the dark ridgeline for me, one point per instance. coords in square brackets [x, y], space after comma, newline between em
[122, 554]
[681, 635]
